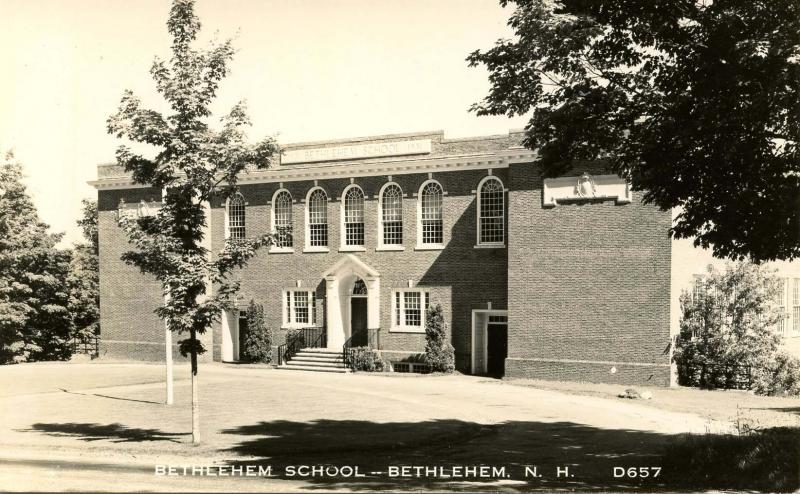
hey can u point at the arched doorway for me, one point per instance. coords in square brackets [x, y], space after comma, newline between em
[358, 313]
[344, 309]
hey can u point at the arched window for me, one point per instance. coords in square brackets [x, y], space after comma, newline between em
[431, 228]
[317, 218]
[359, 288]
[236, 217]
[392, 215]
[282, 218]
[354, 216]
[491, 212]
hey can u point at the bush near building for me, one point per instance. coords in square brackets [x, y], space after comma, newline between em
[439, 353]
[258, 342]
[728, 335]
[366, 359]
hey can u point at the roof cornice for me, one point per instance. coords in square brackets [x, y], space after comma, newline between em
[294, 173]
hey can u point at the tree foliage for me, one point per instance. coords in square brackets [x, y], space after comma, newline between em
[439, 353]
[696, 102]
[258, 342]
[195, 164]
[35, 323]
[84, 276]
[728, 326]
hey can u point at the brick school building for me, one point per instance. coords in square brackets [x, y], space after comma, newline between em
[565, 278]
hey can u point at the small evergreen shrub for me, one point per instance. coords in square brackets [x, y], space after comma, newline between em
[258, 343]
[439, 353]
[781, 377]
[366, 359]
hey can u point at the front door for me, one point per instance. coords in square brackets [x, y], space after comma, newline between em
[496, 349]
[358, 321]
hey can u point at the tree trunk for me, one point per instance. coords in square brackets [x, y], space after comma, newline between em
[195, 396]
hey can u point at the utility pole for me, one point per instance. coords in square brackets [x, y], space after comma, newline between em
[168, 355]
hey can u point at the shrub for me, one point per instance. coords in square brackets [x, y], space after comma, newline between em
[364, 358]
[727, 327]
[258, 342]
[781, 377]
[439, 353]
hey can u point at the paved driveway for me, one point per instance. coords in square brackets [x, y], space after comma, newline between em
[74, 426]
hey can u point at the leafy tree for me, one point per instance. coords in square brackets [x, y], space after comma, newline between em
[727, 325]
[258, 342]
[439, 353]
[195, 164]
[84, 276]
[35, 323]
[694, 101]
[88, 224]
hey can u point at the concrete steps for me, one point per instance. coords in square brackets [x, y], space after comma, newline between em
[317, 360]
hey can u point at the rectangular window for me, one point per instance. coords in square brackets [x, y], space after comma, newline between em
[300, 310]
[413, 309]
[409, 310]
[319, 235]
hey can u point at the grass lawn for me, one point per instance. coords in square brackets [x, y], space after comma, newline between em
[733, 406]
[102, 414]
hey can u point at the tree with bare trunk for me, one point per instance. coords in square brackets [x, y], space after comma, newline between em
[194, 165]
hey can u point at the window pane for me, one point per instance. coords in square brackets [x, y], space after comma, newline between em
[432, 227]
[236, 217]
[491, 212]
[392, 215]
[301, 307]
[413, 308]
[354, 216]
[283, 219]
[397, 319]
[318, 218]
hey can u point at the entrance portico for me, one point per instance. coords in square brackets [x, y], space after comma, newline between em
[340, 280]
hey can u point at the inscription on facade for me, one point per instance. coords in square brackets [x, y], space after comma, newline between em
[357, 151]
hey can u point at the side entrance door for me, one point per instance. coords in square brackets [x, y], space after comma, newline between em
[242, 336]
[496, 349]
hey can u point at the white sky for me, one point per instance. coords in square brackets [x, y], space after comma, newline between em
[310, 70]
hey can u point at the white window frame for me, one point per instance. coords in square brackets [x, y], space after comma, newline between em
[478, 243]
[238, 195]
[381, 245]
[316, 248]
[288, 317]
[343, 247]
[395, 326]
[420, 245]
[275, 249]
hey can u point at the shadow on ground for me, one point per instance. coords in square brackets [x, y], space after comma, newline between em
[758, 462]
[590, 453]
[116, 433]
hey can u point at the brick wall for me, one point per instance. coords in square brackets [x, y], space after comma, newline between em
[588, 287]
[459, 277]
[130, 328]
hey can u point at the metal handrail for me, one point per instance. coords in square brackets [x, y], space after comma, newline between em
[87, 344]
[316, 336]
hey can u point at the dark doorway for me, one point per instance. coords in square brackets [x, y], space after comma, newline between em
[496, 349]
[243, 331]
[358, 321]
